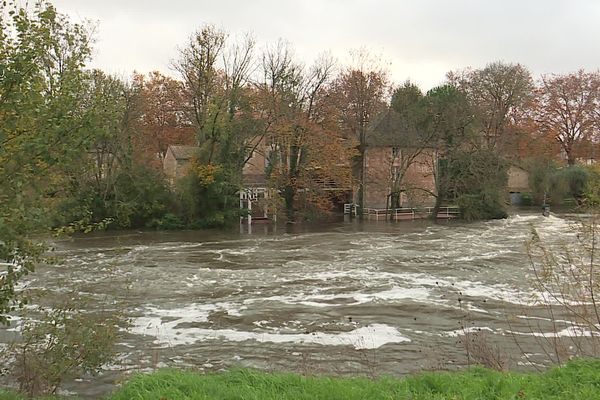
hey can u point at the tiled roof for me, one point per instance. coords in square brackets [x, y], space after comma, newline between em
[184, 152]
[254, 180]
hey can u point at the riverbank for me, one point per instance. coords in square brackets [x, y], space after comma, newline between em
[578, 379]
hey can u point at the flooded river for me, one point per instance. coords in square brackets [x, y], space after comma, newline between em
[350, 298]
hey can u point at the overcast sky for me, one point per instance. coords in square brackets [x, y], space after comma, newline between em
[421, 39]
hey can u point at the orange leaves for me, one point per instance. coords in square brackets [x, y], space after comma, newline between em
[568, 110]
[163, 120]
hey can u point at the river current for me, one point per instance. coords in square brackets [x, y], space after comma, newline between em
[348, 298]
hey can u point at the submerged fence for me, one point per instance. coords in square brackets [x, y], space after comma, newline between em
[404, 213]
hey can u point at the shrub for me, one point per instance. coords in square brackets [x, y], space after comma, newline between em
[526, 199]
[208, 196]
[167, 222]
[63, 344]
[480, 206]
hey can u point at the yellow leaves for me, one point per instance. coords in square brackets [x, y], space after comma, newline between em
[206, 173]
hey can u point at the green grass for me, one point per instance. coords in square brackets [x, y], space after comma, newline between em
[577, 380]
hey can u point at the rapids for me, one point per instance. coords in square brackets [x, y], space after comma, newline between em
[348, 298]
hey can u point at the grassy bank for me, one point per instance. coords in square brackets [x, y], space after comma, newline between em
[577, 380]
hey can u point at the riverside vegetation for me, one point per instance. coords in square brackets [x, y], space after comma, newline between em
[81, 150]
[575, 380]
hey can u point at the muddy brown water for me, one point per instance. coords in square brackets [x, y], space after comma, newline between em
[348, 298]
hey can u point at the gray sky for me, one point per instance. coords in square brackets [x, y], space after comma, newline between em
[421, 40]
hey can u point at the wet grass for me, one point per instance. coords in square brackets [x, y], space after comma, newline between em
[577, 380]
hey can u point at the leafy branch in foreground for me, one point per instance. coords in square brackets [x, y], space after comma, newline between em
[567, 282]
[64, 343]
[42, 56]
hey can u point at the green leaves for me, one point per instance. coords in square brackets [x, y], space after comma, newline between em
[41, 82]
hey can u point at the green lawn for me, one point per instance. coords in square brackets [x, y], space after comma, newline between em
[578, 380]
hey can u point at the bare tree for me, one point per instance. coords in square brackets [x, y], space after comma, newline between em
[498, 94]
[305, 148]
[361, 92]
[567, 109]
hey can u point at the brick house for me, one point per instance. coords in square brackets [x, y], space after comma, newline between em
[518, 183]
[176, 161]
[398, 171]
[254, 193]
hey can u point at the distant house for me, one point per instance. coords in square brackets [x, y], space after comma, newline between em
[177, 161]
[254, 193]
[518, 184]
[254, 170]
[398, 172]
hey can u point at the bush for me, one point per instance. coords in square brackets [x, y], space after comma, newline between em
[208, 197]
[480, 206]
[169, 221]
[570, 186]
[134, 198]
[527, 199]
[63, 344]
[476, 182]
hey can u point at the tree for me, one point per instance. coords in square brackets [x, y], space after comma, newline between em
[449, 120]
[477, 179]
[567, 109]
[305, 148]
[42, 56]
[162, 118]
[216, 79]
[498, 94]
[198, 65]
[409, 137]
[108, 183]
[360, 93]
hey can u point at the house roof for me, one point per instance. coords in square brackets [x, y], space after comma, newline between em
[388, 129]
[184, 152]
[254, 180]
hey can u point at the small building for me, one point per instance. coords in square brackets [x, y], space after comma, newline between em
[177, 161]
[255, 195]
[518, 184]
[399, 169]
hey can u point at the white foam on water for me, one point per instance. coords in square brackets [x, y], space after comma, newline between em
[168, 333]
[569, 332]
[191, 313]
[465, 331]
[396, 293]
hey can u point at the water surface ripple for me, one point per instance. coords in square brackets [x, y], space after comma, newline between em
[351, 298]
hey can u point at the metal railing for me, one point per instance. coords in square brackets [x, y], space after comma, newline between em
[404, 213]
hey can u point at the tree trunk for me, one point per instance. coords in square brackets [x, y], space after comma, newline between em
[289, 196]
[436, 207]
[360, 174]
